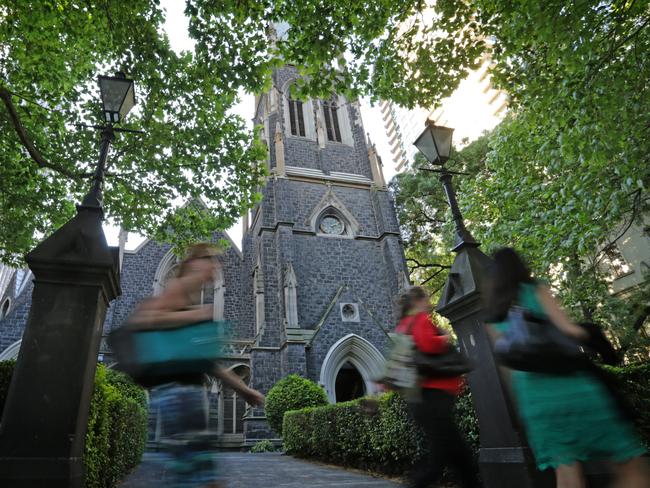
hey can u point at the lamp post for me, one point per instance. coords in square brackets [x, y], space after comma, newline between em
[118, 98]
[76, 276]
[504, 458]
[435, 144]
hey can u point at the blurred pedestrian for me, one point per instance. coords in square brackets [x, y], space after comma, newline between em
[434, 412]
[569, 417]
[180, 399]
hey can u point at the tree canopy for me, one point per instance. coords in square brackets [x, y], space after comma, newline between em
[557, 179]
[52, 51]
[567, 172]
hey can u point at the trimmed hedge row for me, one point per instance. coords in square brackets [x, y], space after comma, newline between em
[384, 439]
[362, 434]
[117, 429]
[117, 425]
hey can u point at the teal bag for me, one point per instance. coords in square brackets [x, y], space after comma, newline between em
[147, 354]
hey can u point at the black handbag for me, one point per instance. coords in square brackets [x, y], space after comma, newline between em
[446, 364]
[443, 365]
[533, 343]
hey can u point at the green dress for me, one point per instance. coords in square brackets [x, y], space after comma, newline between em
[571, 417]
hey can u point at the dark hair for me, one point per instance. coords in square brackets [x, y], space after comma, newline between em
[507, 273]
[407, 299]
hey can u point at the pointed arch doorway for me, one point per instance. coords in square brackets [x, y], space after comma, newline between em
[350, 368]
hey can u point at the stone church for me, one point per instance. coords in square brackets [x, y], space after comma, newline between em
[312, 290]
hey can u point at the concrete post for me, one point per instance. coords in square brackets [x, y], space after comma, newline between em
[43, 429]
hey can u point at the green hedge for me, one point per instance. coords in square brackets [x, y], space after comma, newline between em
[379, 437]
[634, 381]
[117, 425]
[384, 439]
[291, 393]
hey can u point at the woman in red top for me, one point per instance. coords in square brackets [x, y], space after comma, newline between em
[434, 413]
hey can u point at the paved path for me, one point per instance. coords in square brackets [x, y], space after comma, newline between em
[269, 470]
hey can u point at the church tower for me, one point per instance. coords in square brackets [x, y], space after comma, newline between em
[322, 250]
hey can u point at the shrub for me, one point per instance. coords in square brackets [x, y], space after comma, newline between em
[466, 419]
[291, 393]
[379, 437]
[384, 439]
[634, 382]
[6, 370]
[263, 446]
[117, 425]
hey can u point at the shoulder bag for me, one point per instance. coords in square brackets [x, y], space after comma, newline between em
[533, 343]
[446, 364]
[163, 353]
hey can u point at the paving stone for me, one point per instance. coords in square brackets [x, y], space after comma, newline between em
[268, 470]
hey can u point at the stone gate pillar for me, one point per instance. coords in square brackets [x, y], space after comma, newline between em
[504, 459]
[43, 429]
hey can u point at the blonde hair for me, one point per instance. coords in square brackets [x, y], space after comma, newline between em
[197, 251]
[201, 249]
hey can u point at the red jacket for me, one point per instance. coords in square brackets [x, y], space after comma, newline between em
[428, 338]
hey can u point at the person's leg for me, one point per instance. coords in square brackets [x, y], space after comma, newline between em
[426, 416]
[194, 463]
[633, 474]
[461, 458]
[458, 456]
[570, 476]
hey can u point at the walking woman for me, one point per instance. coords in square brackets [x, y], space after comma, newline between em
[569, 418]
[434, 413]
[181, 399]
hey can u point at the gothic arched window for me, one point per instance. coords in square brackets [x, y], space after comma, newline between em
[296, 117]
[4, 310]
[227, 408]
[332, 125]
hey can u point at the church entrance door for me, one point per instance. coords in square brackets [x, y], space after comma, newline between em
[349, 383]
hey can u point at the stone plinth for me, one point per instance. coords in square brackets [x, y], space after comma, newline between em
[43, 429]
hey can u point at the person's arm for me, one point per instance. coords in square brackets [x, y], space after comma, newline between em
[426, 337]
[230, 379]
[168, 319]
[169, 309]
[558, 317]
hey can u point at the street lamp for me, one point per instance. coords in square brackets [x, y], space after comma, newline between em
[118, 98]
[435, 144]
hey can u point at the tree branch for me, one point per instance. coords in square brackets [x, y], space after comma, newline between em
[433, 276]
[635, 206]
[419, 265]
[636, 327]
[594, 72]
[26, 141]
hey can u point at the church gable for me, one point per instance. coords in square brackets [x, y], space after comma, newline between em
[350, 340]
[341, 221]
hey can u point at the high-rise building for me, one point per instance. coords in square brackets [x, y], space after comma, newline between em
[474, 107]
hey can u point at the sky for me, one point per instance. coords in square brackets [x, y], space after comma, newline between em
[176, 26]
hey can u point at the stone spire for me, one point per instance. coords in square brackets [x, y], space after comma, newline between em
[279, 151]
[375, 165]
